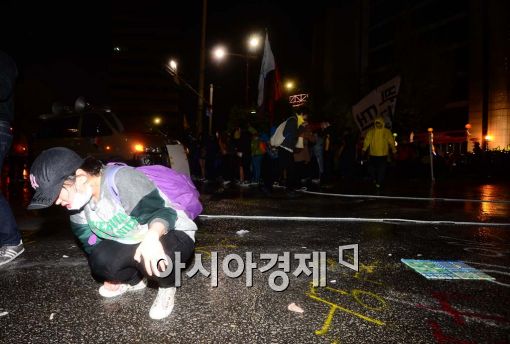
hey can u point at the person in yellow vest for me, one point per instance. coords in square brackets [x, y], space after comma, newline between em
[378, 141]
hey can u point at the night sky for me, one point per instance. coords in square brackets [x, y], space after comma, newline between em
[64, 49]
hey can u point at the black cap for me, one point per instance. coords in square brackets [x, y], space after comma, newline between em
[48, 173]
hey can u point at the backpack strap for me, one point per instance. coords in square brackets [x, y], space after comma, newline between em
[109, 175]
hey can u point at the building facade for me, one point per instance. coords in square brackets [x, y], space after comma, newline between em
[489, 91]
[452, 57]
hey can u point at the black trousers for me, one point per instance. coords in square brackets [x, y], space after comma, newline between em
[227, 167]
[377, 168]
[285, 162]
[112, 261]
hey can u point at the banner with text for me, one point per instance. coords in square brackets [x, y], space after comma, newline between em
[379, 102]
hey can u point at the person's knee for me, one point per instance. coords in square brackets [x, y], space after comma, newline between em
[178, 241]
[100, 263]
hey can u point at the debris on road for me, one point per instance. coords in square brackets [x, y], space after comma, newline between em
[295, 308]
[51, 316]
[332, 281]
[242, 232]
[65, 256]
[3, 314]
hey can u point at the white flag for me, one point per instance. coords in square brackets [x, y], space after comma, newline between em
[267, 66]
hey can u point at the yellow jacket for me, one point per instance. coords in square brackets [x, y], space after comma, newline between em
[379, 139]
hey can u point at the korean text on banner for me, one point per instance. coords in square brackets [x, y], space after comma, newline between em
[379, 102]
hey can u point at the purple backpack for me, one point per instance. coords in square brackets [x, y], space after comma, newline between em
[178, 187]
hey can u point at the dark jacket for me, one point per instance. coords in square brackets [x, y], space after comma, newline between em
[8, 74]
[291, 133]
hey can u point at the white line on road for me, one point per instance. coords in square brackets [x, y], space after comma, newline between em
[354, 219]
[428, 199]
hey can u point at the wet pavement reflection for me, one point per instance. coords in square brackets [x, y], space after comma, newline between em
[48, 289]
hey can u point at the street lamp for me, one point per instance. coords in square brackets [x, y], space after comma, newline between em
[488, 139]
[254, 42]
[289, 85]
[173, 65]
[219, 53]
[171, 68]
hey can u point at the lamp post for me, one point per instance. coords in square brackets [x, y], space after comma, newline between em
[431, 152]
[171, 68]
[253, 46]
[253, 43]
[201, 76]
[211, 89]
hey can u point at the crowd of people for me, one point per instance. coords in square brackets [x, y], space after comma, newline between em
[314, 153]
[246, 155]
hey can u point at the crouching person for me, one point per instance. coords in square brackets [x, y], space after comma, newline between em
[128, 236]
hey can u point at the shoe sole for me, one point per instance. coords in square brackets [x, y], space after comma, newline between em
[110, 293]
[11, 259]
[162, 316]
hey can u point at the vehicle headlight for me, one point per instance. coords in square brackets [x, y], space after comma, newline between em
[139, 148]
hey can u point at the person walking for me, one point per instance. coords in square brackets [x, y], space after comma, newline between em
[302, 155]
[11, 245]
[285, 152]
[378, 142]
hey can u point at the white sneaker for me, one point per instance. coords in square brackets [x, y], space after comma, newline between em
[8, 253]
[105, 292]
[163, 304]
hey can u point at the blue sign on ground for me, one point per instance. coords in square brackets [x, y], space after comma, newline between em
[446, 269]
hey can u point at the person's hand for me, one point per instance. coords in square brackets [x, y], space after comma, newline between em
[364, 155]
[151, 250]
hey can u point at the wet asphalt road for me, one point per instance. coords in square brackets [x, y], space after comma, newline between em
[48, 295]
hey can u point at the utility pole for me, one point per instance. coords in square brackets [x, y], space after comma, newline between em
[211, 110]
[200, 107]
[247, 88]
